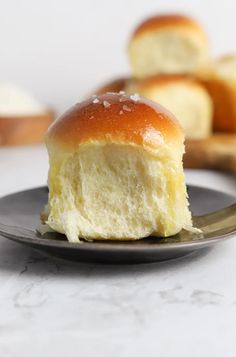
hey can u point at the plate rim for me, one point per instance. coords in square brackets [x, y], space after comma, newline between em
[120, 246]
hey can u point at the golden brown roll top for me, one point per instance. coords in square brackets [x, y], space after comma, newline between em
[169, 20]
[115, 117]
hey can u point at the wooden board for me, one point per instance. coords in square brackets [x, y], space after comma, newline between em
[216, 152]
[24, 130]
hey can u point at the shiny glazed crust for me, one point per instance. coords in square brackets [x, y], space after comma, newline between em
[115, 117]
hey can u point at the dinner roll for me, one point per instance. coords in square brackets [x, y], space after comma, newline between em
[185, 97]
[116, 171]
[167, 44]
[220, 80]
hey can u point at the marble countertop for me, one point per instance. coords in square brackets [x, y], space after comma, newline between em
[49, 307]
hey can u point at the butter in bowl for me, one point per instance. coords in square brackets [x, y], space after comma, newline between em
[23, 120]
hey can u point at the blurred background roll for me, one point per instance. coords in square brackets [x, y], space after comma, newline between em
[167, 44]
[220, 81]
[185, 97]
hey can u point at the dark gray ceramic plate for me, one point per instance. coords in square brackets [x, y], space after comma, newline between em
[19, 218]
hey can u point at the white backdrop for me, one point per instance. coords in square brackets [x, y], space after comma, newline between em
[62, 49]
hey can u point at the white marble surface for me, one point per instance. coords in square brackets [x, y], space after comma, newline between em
[52, 308]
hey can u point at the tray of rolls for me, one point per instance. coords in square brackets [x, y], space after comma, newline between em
[171, 65]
